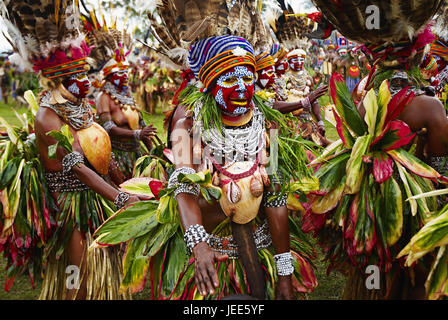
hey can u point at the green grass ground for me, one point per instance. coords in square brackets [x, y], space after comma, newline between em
[329, 288]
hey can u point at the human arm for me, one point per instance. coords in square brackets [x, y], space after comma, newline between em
[188, 204]
[46, 121]
[278, 221]
[286, 107]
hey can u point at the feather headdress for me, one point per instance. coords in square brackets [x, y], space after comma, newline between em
[398, 19]
[289, 27]
[440, 26]
[110, 45]
[177, 24]
[46, 36]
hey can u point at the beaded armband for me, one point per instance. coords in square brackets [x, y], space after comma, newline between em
[137, 134]
[108, 125]
[306, 104]
[195, 234]
[278, 199]
[70, 160]
[121, 199]
[193, 189]
[283, 261]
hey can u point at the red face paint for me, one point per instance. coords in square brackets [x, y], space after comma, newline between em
[266, 77]
[119, 79]
[296, 63]
[78, 85]
[281, 66]
[234, 91]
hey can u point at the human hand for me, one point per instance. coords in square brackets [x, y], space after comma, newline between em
[148, 132]
[321, 127]
[319, 92]
[205, 273]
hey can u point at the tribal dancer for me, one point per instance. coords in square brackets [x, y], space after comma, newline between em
[74, 151]
[290, 32]
[362, 217]
[217, 218]
[116, 107]
[266, 87]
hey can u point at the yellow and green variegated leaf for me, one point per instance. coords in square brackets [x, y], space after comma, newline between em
[432, 235]
[323, 204]
[32, 101]
[306, 185]
[392, 215]
[384, 97]
[371, 107]
[13, 136]
[135, 265]
[167, 209]
[128, 223]
[407, 188]
[434, 193]
[355, 166]
[138, 186]
[67, 133]
[437, 283]
[328, 152]
[417, 189]
[6, 154]
[198, 177]
[413, 164]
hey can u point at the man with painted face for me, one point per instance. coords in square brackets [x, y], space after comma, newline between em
[120, 116]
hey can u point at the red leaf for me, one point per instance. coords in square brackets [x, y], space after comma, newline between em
[8, 283]
[396, 135]
[335, 78]
[383, 167]
[342, 130]
[310, 221]
[156, 186]
[398, 103]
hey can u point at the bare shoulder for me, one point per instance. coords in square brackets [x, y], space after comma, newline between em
[180, 119]
[102, 102]
[428, 107]
[46, 120]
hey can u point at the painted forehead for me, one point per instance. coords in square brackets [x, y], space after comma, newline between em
[268, 69]
[78, 76]
[238, 72]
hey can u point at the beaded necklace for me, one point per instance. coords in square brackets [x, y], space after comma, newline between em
[79, 116]
[235, 143]
[122, 100]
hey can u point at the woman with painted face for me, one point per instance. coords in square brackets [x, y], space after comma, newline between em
[268, 88]
[121, 118]
[67, 157]
[116, 107]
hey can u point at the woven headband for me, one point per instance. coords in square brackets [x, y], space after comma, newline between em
[64, 69]
[222, 62]
[264, 61]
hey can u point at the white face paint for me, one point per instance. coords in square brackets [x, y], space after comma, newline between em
[233, 89]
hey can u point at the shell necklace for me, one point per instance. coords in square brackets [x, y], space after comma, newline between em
[122, 100]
